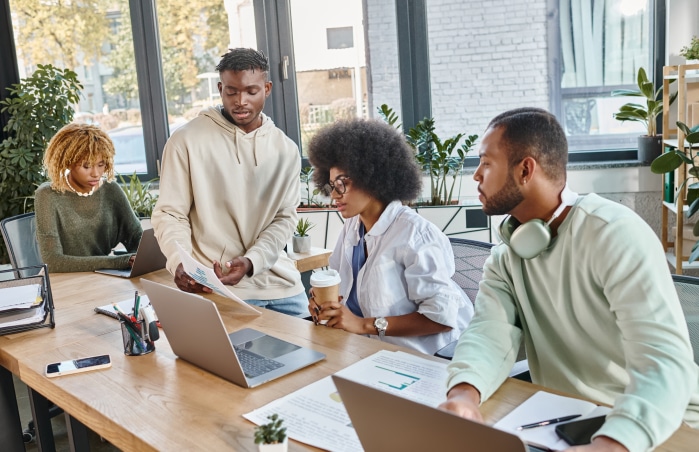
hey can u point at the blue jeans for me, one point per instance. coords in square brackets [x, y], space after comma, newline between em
[296, 305]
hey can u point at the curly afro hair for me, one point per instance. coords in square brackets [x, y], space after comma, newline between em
[374, 154]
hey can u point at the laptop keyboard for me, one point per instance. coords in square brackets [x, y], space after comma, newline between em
[255, 365]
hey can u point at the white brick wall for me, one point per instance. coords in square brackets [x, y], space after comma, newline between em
[485, 57]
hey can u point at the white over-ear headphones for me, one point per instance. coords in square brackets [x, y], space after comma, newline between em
[528, 240]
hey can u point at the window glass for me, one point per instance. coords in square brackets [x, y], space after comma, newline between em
[194, 34]
[603, 43]
[94, 40]
[330, 62]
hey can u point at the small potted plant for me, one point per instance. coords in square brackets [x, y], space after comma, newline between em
[691, 52]
[649, 145]
[271, 437]
[301, 241]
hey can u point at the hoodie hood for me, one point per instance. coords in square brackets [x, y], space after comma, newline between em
[240, 138]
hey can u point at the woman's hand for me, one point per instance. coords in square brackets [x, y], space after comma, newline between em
[339, 316]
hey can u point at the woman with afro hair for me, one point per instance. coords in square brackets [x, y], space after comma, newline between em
[81, 213]
[395, 266]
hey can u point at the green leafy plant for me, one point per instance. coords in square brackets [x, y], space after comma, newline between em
[303, 226]
[673, 159]
[646, 114]
[139, 194]
[37, 107]
[691, 52]
[271, 432]
[435, 156]
[311, 193]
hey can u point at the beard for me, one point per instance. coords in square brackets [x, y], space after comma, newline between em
[505, 200]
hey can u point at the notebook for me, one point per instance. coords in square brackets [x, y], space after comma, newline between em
[384, 421]
[148, 258]
[196, 333]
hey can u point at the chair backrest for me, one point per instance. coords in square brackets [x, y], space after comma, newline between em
[469, 257]
[19, 234]
[688, 293]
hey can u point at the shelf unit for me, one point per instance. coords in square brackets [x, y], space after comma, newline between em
[686, 109]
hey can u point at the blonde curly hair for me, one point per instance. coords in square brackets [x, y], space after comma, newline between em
[77, 143]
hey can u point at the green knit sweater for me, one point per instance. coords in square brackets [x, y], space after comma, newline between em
[77, 233]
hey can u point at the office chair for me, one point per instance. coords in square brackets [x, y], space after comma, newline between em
[688, 292]
[469, 258]
[19, 234]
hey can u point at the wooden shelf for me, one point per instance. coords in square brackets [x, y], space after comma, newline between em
[672, 142]
[672, 259]
[673, 207]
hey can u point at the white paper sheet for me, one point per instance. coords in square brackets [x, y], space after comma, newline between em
[316, 416]
[542, 406]
[20, 297]
[207, 277]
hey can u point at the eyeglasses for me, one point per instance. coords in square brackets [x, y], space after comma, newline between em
[338, 185]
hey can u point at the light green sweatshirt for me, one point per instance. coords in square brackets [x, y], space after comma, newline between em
[600, 318]
[223, 191]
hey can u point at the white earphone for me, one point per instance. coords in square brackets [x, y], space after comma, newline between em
[528, 240]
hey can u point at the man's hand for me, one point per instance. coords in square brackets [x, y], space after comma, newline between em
[131, 260]
[600, 444]
[234, 270]
[186, 284]
[463, 400]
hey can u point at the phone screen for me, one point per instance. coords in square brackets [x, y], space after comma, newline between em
[578, 433]
[77, 364]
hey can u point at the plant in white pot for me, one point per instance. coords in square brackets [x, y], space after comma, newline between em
[301, 241]
[649, 145]
[691, 52]
[271, 437]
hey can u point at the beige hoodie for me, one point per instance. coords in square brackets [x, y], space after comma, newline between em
[221, 188]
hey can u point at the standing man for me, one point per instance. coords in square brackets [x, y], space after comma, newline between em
[229, 189]
[594, 301]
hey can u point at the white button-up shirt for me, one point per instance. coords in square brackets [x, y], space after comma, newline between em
[408, 268]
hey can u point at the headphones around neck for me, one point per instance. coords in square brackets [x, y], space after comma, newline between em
[530, 239]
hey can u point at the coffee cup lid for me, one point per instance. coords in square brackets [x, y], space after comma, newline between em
[325, 278]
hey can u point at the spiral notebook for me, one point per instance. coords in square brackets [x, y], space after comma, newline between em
[124, 305]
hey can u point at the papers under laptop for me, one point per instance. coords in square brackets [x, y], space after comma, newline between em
[148, 258]
[385, 421]
[196, 333]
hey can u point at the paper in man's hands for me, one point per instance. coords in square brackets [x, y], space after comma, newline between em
[207, 277]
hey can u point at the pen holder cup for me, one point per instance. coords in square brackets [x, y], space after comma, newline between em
[136, 342]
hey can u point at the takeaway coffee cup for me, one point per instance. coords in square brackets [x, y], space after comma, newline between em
[326, 286]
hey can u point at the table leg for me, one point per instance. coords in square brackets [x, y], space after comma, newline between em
[42, 421]
[77, 435]
[10, 424]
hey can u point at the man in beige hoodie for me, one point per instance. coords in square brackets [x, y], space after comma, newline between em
[229, 188]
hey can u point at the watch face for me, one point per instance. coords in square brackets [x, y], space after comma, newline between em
[381, 323]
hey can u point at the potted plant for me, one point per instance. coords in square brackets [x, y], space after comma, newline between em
[271, 437]
[140, 195]
[435, 156]
[691, 52]
[37, 107]
[301, 241]
[311, 200]
[649, 145]
[673, 159]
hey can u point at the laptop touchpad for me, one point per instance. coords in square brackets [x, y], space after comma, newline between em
[268, 346]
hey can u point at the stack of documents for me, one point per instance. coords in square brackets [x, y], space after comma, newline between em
[21, 305]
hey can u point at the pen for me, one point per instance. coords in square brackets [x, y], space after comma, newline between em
[549, 422]
[136, 304]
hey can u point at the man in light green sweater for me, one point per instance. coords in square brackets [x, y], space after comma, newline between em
[229, 189]
[592, 297]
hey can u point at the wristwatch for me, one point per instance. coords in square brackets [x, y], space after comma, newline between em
[381, 324]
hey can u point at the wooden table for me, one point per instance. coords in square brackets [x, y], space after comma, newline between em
[316, 258]
[159, 402]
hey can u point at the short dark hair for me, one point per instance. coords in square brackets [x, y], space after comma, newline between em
[534, 132]
[374, 154]
[242, 59]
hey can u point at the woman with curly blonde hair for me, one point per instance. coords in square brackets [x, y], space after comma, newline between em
[81, 213]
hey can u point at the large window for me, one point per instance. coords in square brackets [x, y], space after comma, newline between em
[603, 43]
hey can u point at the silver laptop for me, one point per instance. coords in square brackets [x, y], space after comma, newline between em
[385, 421]
[148, 258]
[196, 333]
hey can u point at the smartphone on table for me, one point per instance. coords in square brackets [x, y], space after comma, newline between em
[578, 433]
[78, 365]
